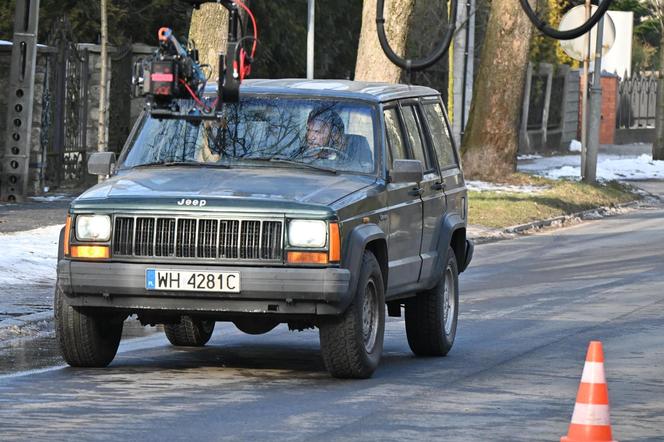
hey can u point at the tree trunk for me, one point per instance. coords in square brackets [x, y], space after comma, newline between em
[209, 31]
[658, 145]
[372, 64]
[491, 140]
[101, 126]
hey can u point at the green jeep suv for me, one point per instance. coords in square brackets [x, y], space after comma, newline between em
[323, 204]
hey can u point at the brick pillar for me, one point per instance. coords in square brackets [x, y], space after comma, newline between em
[607, 132]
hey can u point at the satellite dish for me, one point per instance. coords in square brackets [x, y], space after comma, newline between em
[578, 47]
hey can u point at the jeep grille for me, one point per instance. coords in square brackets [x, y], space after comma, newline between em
[220, 239]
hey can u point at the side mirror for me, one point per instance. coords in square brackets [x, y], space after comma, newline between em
[101, 163]
[406, 171]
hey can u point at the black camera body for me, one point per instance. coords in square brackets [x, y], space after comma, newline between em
[172, 73]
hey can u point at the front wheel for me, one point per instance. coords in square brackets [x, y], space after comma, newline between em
[189, 332]
[85, 339]
[352, 343]
[431, 317]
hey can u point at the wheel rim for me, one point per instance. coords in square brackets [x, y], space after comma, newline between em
[449, 301]
[370, 316]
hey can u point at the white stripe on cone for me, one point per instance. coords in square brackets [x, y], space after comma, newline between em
[590, 414]
[593, 373]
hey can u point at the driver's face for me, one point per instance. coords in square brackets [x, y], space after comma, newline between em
[318, 133]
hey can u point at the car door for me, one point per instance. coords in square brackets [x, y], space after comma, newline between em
[446, 155]
[431, 187]
[405, 213]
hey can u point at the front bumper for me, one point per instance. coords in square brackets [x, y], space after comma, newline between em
[268, 290]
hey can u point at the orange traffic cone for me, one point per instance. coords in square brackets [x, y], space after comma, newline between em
[590, 421]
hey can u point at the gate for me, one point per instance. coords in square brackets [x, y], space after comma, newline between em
[66, 154]
[637, 102]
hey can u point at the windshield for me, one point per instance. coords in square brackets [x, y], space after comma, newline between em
[283, 132]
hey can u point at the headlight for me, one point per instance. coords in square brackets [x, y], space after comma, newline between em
[93, 228]
[307, 233]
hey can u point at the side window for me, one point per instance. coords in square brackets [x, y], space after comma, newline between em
[433, 112]
[396, 149]
[415, 137]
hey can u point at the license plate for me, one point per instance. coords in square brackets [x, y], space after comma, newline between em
[183, 280]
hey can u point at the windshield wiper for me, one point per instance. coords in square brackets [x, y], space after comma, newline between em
[308, 165]
[286, 160]
[183, 163]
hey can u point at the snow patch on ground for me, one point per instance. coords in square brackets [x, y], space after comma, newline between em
[29, 256]
[575, 146]
[483, 186]
[50, 198]
[528, 157]
[609, 167]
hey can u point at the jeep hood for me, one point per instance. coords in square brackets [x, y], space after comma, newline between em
[262, 186]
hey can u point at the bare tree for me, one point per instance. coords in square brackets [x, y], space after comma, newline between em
[372, 64]
[657, 9]
[491, 140]
[209, 32]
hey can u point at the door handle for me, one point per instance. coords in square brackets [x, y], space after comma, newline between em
[438, 186]
[416, 191]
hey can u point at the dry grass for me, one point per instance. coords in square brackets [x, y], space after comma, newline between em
[499, 210]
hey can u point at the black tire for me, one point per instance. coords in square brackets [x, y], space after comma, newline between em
[431, 317]
[85, 339]
[189, 332]
[352, 343]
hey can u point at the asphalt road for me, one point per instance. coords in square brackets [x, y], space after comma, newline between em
[529, 308]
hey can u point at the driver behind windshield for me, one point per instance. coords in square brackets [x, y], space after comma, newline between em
[325, 134]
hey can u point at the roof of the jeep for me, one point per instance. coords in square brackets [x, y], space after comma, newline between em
[362, 90]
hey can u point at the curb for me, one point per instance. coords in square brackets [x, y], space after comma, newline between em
[558, 221]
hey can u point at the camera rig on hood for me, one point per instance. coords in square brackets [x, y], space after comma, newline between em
[174, 73]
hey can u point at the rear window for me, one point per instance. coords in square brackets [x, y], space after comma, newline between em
[440, 136]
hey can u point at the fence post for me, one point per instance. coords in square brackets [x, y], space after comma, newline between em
[524, 144]
[547, 69]
[658, 145]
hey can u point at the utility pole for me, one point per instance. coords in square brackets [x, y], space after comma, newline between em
[584, 97]
[101, 128]
[463, 58]
[594, 125]
[15, 169]
[311, 22]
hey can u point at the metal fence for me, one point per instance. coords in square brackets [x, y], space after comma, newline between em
[550, 108]
[68, 110]
[637, 102]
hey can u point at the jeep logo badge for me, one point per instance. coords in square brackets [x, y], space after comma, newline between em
[186, 202]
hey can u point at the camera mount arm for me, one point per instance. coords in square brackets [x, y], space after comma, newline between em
[174, 73]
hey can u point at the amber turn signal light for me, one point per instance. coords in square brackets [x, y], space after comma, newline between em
[307, 258]
[90, 252]
[65, 245]
[335, 243]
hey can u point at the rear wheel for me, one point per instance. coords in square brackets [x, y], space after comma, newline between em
[352, 343]
[189, 332]
[431, 317]
[85, 339]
